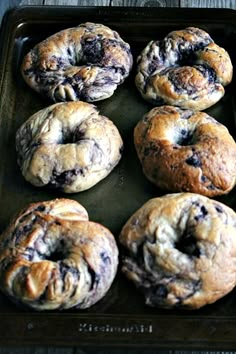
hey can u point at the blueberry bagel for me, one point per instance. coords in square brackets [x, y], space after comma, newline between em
[53, 257]
[181, 250]
[185, 69]
[68, 146]
[186, 151]
[86, 62]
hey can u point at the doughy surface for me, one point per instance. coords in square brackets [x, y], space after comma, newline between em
[186, 151]
[68, 146]
[85, 63]
[181, 250]
[53, 257]
[186, 69]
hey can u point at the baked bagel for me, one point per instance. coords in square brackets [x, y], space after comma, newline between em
[182, 150]
[85, 63]
[185, 69]
[53, 257]
[181, 250]
[68, 146]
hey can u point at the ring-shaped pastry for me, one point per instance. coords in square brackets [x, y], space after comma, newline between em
[186, 151]
[68, 146]
[85, 63]
[53, 257]
[181, 250]
[185, 69]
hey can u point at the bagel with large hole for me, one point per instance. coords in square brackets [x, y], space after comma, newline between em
[53, 257]
[85, 63]
[186, 151]
[186, 69]
[68, 146]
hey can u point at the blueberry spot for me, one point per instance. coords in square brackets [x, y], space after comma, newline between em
[207, 72]
[40, 208]
[152, 67]
[219, 209]
[105, 258]
[211, 187]
[65, 268]
[29, 253]
[95, 278]
[65, 178]
[194, 161]
[203, 213]
[93, 51]
[21, 232]
[160, 291]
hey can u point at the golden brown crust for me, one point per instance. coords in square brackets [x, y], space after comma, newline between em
[53, 257]
[68, 146]
[182, 150]
[182, 250]
[185, 69]
[86, 62]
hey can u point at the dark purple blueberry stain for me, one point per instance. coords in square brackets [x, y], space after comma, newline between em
[65, 178]
[70, 56]
[40, 208]
[219, 209]
[160, 291]
[204, 179]
[152, 67]
[187, 244]
[95, 278]
[135, 222]
[194, 161]
[26, 216]
[105, 258]
[180, 86]
[93, 51]
[158, 294]
[20, 232]
[185, 137]
[207, 72]
[65, 268]
[35, 144]
[203, 213]
[29, 253]
[211, 187]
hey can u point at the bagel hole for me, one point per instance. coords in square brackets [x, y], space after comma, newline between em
[185, 137]
[59, 253]
[71, 137]
[186, 59]
[188, 244]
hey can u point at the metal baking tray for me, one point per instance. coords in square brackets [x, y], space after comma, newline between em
[121, 318]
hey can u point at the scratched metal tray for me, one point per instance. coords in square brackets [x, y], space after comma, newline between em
[121, 318]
